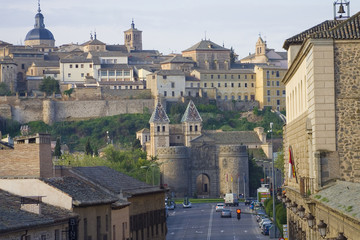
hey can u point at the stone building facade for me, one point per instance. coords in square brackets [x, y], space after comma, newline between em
[322, 131]
[195, 162]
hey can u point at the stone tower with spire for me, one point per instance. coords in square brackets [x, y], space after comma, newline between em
[191, 123]
[133, 38]
[39, 35]
[260, 48]
[159, 129]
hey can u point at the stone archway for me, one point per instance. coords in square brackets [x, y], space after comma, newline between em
[203, 185]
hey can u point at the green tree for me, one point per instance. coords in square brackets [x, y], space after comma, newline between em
[49, 85]
[88, 149]
[136, 144]
[69, 92]
[255, 175]
[233, 55]
[4, 89]
[57, 152]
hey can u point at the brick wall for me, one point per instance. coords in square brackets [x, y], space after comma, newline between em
[347, 87]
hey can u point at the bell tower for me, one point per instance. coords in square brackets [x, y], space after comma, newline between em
[192, 123]
[159, 129]
[341, 9]
[133, 38]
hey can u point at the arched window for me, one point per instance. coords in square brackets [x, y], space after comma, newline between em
[158, 128]
[190, 128]
[196, 128]
[163, 128]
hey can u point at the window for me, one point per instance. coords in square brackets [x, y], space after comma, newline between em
[246, 98]
[232, 84]
[198, 85]
[277, 74]
[277, 83]
[272, 72]
[82, 74]
[225, 84]
[111, 73]
[238, 76]
[268, 99]
[252, 84]
[163, 128]
[246, 85]
[118, 73]
[268, 83]
[272, 83]
[219, 84]
[76, 65]
[239, 85]
[172, 85]
[191, 85]
[212, 76]
[196, 128]
[268, 92]
[164, 77]
[69, 74]
[245, 76]
[252, 76]
[131, 87]
[239, 97]
[181, 93]
[158, 128]
[267, 75]
[43, 237]
[225, 76]
[23, 66]
[205, 84]
[284, 93]
[219, 76]
[98, 227]
[165, 93]
[90, 65]
[226, 97]
[212, 84]
[70, 65]
[277, 102]
[233, 97]
[173, 93]
[103, 73]
[190, 128]
[232, 76]
[189, 94]
[277, 92]
[57, 234]
[126, 73]
[82, 65]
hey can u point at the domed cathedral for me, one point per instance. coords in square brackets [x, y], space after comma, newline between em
[194, 162]
[133, 38]
[39, 35]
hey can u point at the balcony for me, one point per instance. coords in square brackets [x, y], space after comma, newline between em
[306, 186]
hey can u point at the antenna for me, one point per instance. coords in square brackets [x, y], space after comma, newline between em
[39, 10]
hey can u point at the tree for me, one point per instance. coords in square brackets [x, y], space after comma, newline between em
[255, 175]
[4, 89]
[49, 85]
[88, 149]
[69, 92]
[279, 161]
[233, 55]
[136, 144]
[57, 152]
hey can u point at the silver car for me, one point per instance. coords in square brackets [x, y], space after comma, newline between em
[226, 213]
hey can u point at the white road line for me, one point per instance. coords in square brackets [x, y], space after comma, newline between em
[210, 223]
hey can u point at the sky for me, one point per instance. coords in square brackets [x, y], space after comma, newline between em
[169, 26]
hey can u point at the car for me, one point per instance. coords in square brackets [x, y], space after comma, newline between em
[171, 206]
[187, 205]
[225, 213]
[266, 229]
[264, 223]
[247, 202]
[219, 207]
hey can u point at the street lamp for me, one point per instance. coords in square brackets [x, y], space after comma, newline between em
[322, 228]
[311, 220]
[273, 176]
[152, 169]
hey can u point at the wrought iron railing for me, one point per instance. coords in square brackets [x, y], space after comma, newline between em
[306, 186]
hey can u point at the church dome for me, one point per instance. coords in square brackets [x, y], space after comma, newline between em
[39, 32]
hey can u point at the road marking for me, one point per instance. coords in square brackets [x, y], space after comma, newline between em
[222, 231]
[210, 223]
[198, 232]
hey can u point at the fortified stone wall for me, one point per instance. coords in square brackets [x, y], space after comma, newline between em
[233, 166]
[51, 110]
[173, 164]
[347, 107]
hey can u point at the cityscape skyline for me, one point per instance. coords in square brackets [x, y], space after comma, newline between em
[72, 22]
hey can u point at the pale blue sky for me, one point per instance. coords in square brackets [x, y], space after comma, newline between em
[169, 25]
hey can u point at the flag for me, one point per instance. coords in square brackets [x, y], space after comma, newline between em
[292, 173]
[231, 178]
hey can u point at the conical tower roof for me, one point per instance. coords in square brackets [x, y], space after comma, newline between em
[159, 115]
[191, 114]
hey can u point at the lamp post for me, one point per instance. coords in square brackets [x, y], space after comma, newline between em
[152, 169]
[273, 177]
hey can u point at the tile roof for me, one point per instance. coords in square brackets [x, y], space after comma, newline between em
[12, 218]
[230, 71]
[341, 196]
[121, 48]
[115, 181]
[93, 42]
[191, 114]
[109, 54]
[178, 59]
[115, 66]
[301, 37]
[206, 45]
[144, 130]
[159, 115]
[170, 72]
[83, 193]
[230, 137]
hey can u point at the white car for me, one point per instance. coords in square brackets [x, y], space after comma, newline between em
[219, 207]
[187, 205]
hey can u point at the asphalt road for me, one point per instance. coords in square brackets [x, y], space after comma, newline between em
[202, 222]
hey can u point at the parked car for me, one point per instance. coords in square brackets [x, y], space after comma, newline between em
[266, 229]
[186, 203]
[219, 207]
[226, 213]
[265, 222]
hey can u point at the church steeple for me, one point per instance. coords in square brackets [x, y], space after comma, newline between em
[39, 18]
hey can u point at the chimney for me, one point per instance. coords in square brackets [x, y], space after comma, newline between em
[31, 204]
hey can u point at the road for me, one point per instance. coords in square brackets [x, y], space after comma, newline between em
[202, 222]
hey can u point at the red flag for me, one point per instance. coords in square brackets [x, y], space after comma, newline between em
[292, 173]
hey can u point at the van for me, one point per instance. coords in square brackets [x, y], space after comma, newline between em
[231, 199]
